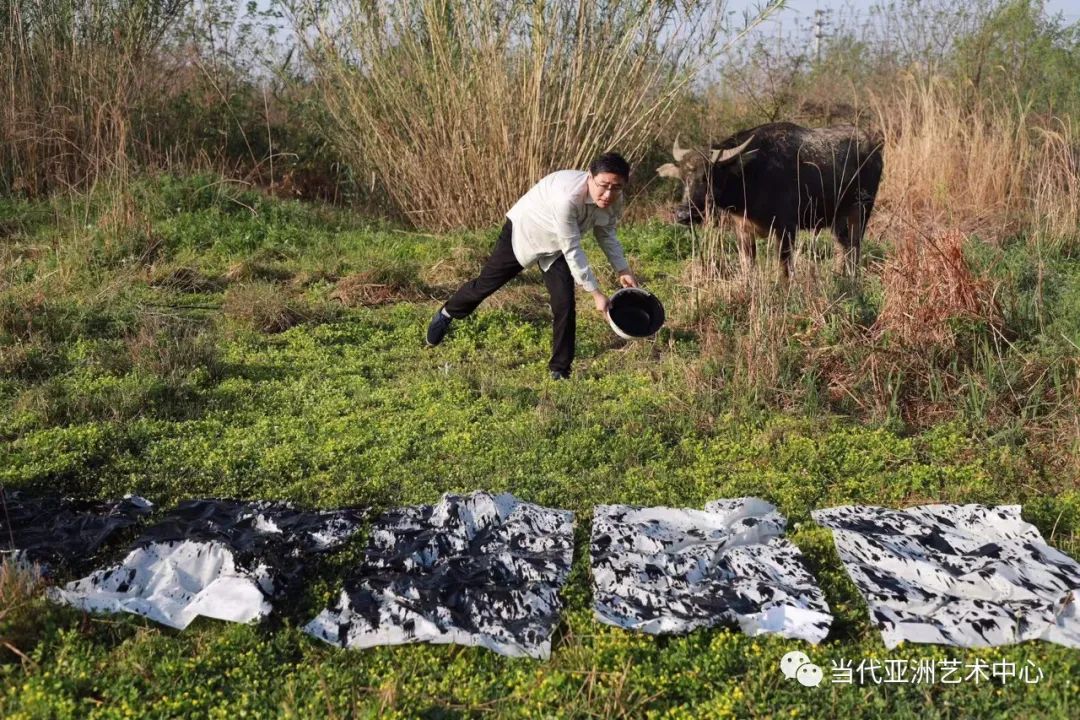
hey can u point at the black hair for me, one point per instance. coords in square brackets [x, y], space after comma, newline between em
[611, 162]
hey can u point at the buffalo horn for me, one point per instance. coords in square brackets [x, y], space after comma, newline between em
[678, 152]
[721, 157]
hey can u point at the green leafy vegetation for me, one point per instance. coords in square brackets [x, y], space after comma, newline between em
[169, 326]
[131, 374]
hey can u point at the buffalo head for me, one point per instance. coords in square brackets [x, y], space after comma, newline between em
[705, 175]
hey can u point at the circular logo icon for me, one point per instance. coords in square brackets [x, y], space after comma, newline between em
[809, 675]
[790, 663]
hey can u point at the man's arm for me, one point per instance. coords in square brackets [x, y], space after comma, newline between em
[570, 243]
[609, 243]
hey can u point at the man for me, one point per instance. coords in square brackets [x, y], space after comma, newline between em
[545, 227]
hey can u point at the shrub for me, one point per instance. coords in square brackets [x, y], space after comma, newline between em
[460, 107]
[929, 290]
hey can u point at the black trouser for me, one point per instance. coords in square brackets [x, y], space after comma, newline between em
[502, 267]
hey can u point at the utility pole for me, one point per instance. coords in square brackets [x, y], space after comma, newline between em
[819, 16]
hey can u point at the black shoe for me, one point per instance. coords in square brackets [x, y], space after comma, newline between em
[437, 328]
[559, 375]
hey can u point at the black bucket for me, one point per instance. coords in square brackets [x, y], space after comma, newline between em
[635, 313]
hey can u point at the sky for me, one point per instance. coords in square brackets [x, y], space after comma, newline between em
[803, 10]
[796, 17]
[795, 20]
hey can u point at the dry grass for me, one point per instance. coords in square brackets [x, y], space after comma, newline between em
[172, 347]
[804, 344]
[263, 307]
[23, 312]
[751, 328]
[928, 286]
[460, 265]
[373, 288]
[183, 279]
[20, 588]
[254, 269]
[1055, 186]
[268, 308]
[460, 107]
[970, 166]
[71, 74]
[101, 90]
[29, 360]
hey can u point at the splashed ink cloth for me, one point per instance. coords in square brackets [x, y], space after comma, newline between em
[477, 569]
[222, 559]
[671, 570]
[63, 532]
[963, 575]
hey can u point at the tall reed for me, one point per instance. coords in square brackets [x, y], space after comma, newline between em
[953, 163]
[71, 72]
[460, 106]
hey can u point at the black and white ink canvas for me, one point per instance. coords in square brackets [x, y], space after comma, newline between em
[62, 532]
[963, 575]
[222, 559]
[476, 569]
[672, 570]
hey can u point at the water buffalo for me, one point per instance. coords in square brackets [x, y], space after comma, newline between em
[779, 177]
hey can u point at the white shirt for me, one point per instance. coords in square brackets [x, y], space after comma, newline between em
[550, 219]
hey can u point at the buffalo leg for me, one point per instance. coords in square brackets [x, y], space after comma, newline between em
[746, 235]
[787, 243]
[858, 231]
[842, 244]
[848, 230]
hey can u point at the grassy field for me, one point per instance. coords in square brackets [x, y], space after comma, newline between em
[196, 341]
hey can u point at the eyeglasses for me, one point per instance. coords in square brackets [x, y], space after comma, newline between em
[606, 188]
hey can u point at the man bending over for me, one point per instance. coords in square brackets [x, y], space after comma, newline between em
[545, 227]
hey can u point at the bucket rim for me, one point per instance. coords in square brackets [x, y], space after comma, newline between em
[644, 295]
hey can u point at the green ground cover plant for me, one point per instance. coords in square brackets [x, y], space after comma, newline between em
[167, 329]
[135, 359]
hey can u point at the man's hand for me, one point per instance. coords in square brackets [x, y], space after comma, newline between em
[601, 301]
[627, 279]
